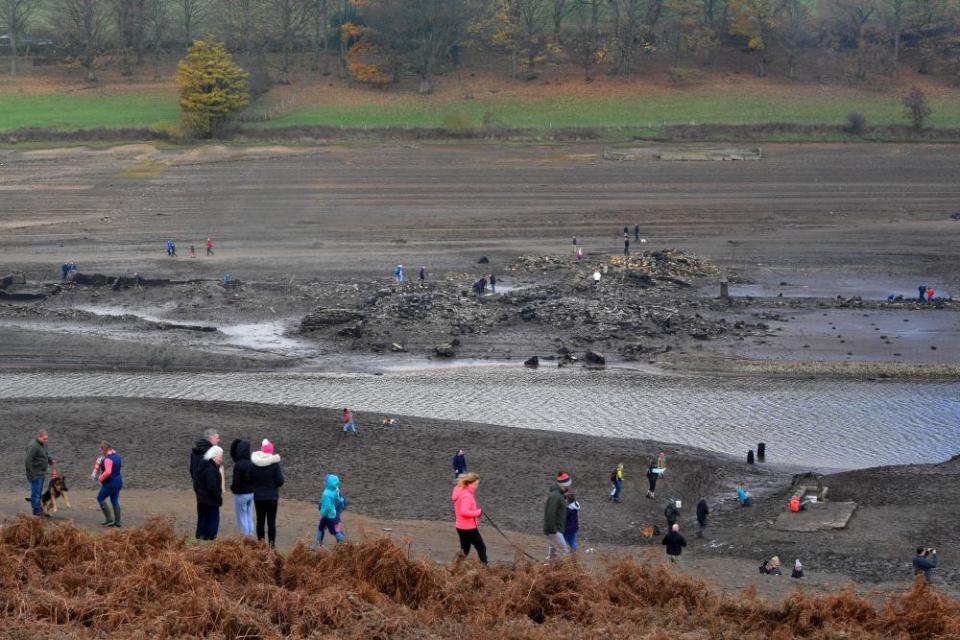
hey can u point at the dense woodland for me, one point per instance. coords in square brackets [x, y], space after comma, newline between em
[380, 41]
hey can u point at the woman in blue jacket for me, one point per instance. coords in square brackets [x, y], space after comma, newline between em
[108, 474]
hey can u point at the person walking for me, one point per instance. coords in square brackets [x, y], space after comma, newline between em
[925, 562]
[209, 487]
[209, 247]
[331, 503]
[398, 273]
[211, 438]
[467, 515]
[743, 496]
[348, 423]
[242, 486]
[652, 477]
[616, 483]
[572, 525]
[626, 246]
[423, 273]
[555, 517]
[674, 542]
[193, 251]
[111, 482]
[574, 240]
[459, 464]
[702, 512]
[267, 479]
[37, 461]
[672, 513]
[636, 232]
[483, 285]
[493, 283]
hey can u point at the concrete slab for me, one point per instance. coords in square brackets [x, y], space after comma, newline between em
[817, 517]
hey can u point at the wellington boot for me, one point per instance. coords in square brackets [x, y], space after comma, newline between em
[107, 515]
[116, 518]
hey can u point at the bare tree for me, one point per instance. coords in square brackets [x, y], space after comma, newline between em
[15, 15]
[83, 26]
[319, 17]
[289, 18]
[852, 17]
[157, 24]
[191, 13]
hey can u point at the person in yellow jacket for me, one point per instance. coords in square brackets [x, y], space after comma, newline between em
[616, 483]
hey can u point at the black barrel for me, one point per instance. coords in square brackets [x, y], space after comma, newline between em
[761, 452]
[750, 456]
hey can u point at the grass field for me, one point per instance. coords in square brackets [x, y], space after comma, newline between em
[646, 111]
[69, 111]
[639, 112]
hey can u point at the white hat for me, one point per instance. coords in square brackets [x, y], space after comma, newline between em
[212, 453]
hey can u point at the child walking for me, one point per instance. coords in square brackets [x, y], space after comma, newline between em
[573, 521]
[331, 504]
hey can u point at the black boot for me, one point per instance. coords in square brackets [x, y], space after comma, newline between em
[107, 515]
[116, 517]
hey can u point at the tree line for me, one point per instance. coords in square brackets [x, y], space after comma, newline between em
[379, 41]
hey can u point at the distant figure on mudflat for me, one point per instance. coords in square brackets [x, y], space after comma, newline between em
[493, 283]
[209, 247]
[459, 464]
[423, 273]
[636, 232]
[398, 273]
[626, 246]
[674, 542]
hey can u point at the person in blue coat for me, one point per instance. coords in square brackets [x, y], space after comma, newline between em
[331, 504]
[925, 562]
[111, 482]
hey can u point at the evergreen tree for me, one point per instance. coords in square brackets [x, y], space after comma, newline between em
[212, 87]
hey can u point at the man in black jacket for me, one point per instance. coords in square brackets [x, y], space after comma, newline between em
[702, 512]
[211, 438]
[674, 542]
[672, 514]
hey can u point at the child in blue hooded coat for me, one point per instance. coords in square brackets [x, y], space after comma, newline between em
[331, 504]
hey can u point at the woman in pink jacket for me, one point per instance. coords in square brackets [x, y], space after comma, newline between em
[468, 515]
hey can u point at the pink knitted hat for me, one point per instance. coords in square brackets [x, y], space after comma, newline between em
[266, 446]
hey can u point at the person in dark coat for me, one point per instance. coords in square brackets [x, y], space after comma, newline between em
[209, 487]
[555, 516]
[702, 512]
[672, 513]
[925, 562]
[652, 477]
[626, 246]
[636, 232]
[242, 486]
[459, 464]
[37, 461]
[211, 438]
[674, 542]
[267, 479]
[493, 283]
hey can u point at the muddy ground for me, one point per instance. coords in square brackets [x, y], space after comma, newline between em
[323, 227]
[403, 473]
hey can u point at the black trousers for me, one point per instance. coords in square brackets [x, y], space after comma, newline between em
[470, 537]
[266, 512]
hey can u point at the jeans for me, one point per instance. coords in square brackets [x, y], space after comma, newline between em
[557, 545]
[36, 489]
[243, 507]
[349, 426]
[571, 540]
[208, 522]
[328, 524]
[112, 491]
[472, 537]
[266, 513]
[617, 488]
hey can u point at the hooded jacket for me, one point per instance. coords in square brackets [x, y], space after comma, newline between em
[702, 511]
[573, 518]
[266, 475]
[208, 484]
[672, 513]
[555, 512]
[331, 502]
[196, 459]
[242, 483]
[465, 506]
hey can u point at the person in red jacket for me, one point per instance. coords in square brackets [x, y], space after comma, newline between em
[348, 424]
[209, 247]
[468, 514]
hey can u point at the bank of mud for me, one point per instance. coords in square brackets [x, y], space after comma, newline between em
[405, 472]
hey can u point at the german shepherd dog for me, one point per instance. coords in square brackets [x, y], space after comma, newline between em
[56, 490]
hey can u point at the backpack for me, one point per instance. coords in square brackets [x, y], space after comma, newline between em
[613, 476]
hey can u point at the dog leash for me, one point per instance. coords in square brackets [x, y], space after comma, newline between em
[512, 544]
